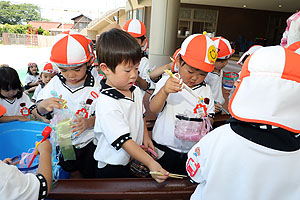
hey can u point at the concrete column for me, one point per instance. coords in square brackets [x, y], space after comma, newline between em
[163, 31]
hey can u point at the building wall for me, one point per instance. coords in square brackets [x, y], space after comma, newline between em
[237, 24]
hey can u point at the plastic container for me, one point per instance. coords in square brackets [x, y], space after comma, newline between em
[228, 79]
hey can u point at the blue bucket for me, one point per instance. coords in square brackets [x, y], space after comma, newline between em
[17, 137]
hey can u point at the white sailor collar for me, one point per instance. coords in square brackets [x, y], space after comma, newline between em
[112, 92]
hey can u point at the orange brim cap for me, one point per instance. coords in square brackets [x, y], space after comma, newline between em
[2, 110]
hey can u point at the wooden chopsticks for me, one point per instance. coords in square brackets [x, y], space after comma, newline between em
[170, 175]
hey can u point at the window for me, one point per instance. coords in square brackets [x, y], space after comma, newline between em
[196, 21]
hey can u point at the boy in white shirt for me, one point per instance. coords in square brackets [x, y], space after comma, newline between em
[194, 60]
[255, 155]
[73, 54]
[120, 126]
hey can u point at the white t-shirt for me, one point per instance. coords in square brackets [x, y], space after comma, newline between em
[144, 72]
[214, 80]
[177, 103]
[80, 100]
[228, 166]
[16, 185]
[17, 107]
[31, 78]
[118, 119]
[37, 91]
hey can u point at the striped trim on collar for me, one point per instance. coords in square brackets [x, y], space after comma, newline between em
[112, 92]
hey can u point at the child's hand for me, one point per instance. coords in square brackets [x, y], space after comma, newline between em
[22, 118]
[217, 108]
[148, 143]
[47, 105]
[45, 147]
[80, 124]
[156, 167]
[7, 161]
[172, 85]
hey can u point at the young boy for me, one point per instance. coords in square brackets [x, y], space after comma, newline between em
[120, 125]
[137, 29]
[16, 185]
[253, 156]
[49, 71]
[72, 52]
[195, 59]
[214, 78]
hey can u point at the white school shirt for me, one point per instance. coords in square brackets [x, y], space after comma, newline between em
[177, 103]
[37, 91]
[80, 100]
[228, 166]
[31, 78]
[118, 119]
[16, 185]
[144, 73]
[214, 80]
[18, 107]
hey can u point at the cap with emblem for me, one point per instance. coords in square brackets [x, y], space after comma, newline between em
[269, 89]
[199, 52]
[71, 49]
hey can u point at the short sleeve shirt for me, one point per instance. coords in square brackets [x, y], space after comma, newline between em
[18, 107]
[16, 185]
[118, 119]
[178, 103]
[80, 100]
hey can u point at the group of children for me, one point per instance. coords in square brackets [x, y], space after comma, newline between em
[109, 126]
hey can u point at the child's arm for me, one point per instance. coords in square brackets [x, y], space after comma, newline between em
[157, 103]
[160, 70]
[143, 84]
[80, 124]
[35, 114]
[45, 167]
[147, 139]
[139, 154]
[47, 105]
[13, 118]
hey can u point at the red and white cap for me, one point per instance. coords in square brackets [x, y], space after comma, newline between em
[269, 89]
[2, 110]
[199, 52]
[295, 47]
[135, 28]
[71, 49]
[50, 68]
[248, 53]
[223, 47]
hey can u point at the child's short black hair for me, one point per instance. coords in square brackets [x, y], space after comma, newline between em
[31, 65]
[9, 80]
[116, 46]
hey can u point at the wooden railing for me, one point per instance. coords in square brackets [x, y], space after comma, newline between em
[121, 188]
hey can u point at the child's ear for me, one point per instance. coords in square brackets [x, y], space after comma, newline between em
[178, 61]
[104, 68]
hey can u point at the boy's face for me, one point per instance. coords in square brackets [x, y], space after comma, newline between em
[190, 75]
[74, 75]
[46, 77]
[124, 76]
[221, 64]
